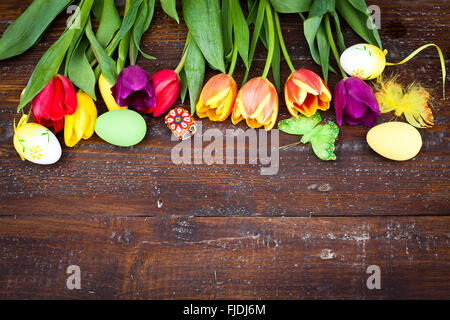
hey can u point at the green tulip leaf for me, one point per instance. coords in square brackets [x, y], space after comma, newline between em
[142, 24]
[26, 31]
[107, 64]
[340, 36]
[227, 30]
[204, 22]
[183, 80]
[110, 22]
[321, 7]
[80, 71]
[256, 34]
[324, 51]
[240, 30]
[355, 13]
[170, 7]
[291, 6]
[195, 73]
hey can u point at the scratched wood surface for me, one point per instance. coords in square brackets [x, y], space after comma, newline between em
[141, 227]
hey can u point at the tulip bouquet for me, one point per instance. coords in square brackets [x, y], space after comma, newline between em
[62, 88]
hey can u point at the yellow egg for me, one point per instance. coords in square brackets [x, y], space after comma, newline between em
[395, 140]
[37, 144]
[364, 61]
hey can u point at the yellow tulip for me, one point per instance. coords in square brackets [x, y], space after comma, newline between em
[105, 90]
[81, 124]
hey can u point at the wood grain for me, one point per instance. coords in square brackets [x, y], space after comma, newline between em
[143, 227]
[217, 258]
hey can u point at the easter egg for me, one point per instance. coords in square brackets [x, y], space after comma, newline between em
[395, 140]
[123, 127]
[37, 144]
[364, 61]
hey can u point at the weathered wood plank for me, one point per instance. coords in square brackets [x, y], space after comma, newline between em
[225, 258]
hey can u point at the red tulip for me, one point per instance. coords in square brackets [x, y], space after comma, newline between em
[56, 100]
[167, 88]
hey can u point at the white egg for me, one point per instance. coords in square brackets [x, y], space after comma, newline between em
[37, 144]
[364, 61]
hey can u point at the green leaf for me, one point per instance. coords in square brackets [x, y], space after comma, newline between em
[142, 24]
[310, 28]
[127, 24]
[124, 50]
[80, 26]
[291, 6]
[170, 7]
[340, 36]
[80, 71]
[204, 22]
[256, 34]
[97, 9]
[195, 73]
[351, 11]
[107, 64]
[240, 30]
[26, 31]
[324, 51]
[110, 22]
[321, 7]
[184, 86]
[227, 30]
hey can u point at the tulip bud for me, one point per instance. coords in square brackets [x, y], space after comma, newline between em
[81, 124]
[167, 89]
[105, 90]
[217, 98]
[306, 92]
[257, 103]
[134, 87]
[355, 103]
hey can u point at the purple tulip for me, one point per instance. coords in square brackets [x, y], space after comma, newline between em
[355, 103]
[134, 87]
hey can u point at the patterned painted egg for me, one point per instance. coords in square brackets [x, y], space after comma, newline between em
[37, 144]
[364, 61]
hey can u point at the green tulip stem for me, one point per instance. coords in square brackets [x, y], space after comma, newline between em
[184, 57]
[271, 46]
[333, 45]
[233, 59]
[282, 43]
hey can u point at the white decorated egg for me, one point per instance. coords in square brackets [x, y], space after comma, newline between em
[37, 144]
[364, 61]
[395, 140]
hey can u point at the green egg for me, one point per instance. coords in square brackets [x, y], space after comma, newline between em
[123, 128]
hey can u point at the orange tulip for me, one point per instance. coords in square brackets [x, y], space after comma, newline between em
[306, 92]
[257, 103]
[217, 98]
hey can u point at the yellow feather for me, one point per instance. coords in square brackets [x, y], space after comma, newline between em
[411, 101]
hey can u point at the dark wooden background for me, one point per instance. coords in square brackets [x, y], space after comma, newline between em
[226, 231]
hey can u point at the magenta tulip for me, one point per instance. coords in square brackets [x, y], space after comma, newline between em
[134, 87]
[355, 103]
